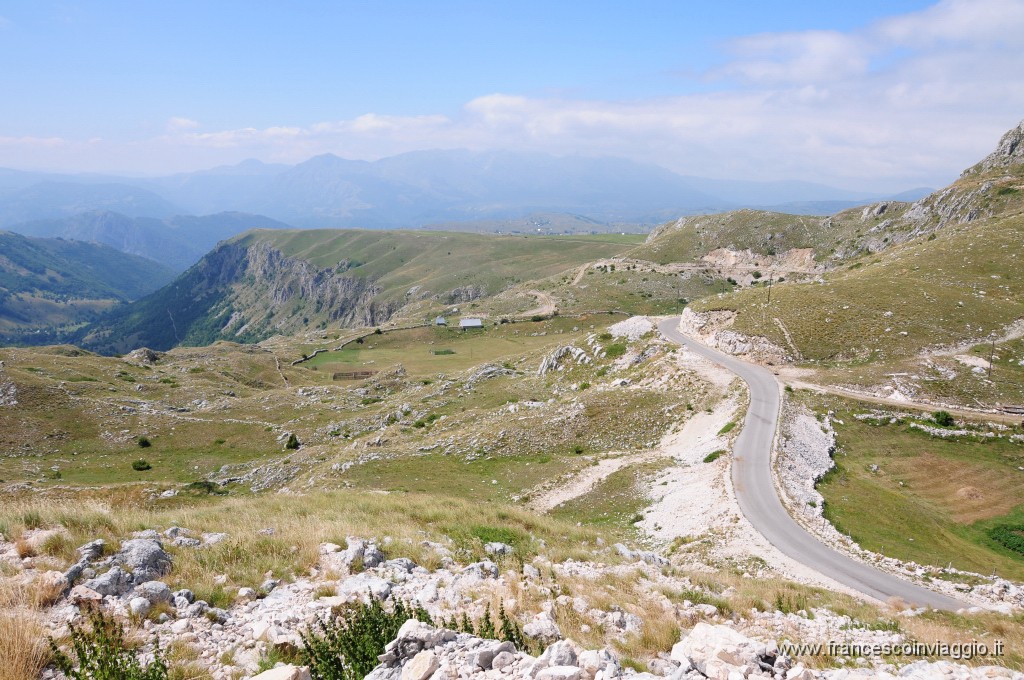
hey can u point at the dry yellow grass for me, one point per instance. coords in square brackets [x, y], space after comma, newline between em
[24, 650]
[23, 647]
[299, 525]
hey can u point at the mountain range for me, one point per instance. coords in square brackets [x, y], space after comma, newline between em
[411, 190]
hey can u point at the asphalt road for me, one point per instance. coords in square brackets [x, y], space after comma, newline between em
[759, 501]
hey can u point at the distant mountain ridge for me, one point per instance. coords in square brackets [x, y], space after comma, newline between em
[411, 190]
[177, 241]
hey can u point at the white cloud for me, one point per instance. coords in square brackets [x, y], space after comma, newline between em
[178, 124]
[807, 57]
[906, 101]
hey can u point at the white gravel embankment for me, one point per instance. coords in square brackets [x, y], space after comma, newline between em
[633, 328]
[805, 456]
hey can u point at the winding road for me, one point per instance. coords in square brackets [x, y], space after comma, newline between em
[760, 503]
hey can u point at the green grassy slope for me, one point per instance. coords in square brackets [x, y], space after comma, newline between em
[960, 283]
[439, 261]
[905, 493]
[768, 233]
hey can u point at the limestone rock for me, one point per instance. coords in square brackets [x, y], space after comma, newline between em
[543, 628]
[285, 673]
[139, 606]
[154, 591]
[421, 667]
[145, 557]
[115, 582]
[366, 586]
[717, 651]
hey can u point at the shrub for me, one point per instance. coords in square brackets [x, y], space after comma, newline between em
[293, 442]
[347, 648]
[943, 418]
[1009, 536]
[615, 350]
[204, 488]
[144, 443]
[728, 427]
[713, 456]
[140, 465]
[101, 652]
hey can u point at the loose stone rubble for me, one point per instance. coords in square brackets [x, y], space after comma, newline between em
[230, 642]
[718, 652]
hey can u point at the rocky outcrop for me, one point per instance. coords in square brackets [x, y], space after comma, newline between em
[556, 360]
[1009, 152]
[712, 328]
[421, 651]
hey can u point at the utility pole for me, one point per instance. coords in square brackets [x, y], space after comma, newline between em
[771, 275]
[991, 355]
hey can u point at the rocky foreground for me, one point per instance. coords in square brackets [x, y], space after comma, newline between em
[230, 642]
[719, 652]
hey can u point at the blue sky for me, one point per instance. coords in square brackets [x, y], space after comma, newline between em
[871, 95]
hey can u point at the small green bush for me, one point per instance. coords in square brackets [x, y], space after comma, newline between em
[346, 648]
[615, 350]
[144, 443]
[141, 465]
[293, 442]
[204, 488]
[943, 418]
[713, 456]
[728, 427]
[1010, 536]
[101, 652]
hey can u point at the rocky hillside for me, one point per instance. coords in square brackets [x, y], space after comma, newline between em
[918, 282]
[992, 188]
[278, 282]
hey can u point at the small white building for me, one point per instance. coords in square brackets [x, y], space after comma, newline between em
[471, 323]
[440, 321]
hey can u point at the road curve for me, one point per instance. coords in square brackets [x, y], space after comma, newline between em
[759, 501]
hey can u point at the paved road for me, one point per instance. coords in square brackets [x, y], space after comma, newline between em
[759, 501]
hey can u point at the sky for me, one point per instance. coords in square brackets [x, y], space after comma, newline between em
[874, 95]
